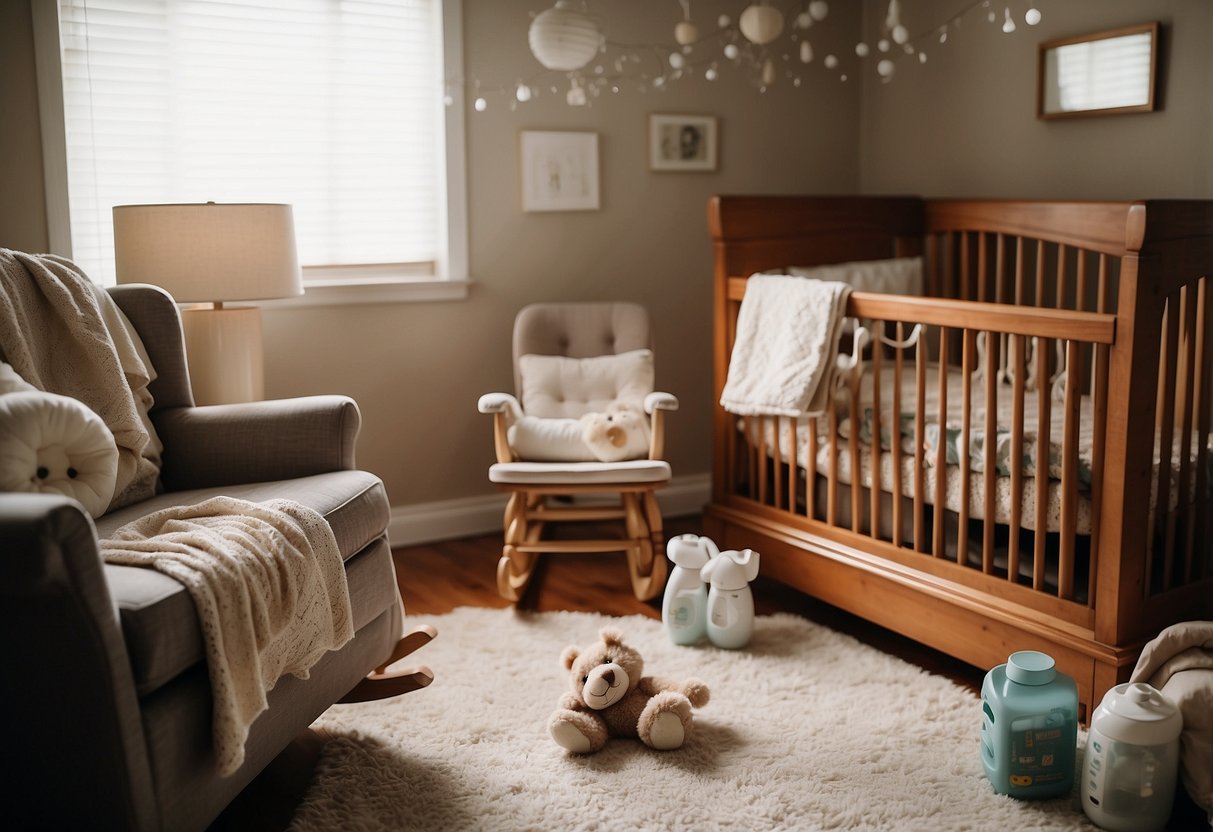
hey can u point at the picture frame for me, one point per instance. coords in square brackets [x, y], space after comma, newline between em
[1104, 73]
[682, 143]
[559, 170]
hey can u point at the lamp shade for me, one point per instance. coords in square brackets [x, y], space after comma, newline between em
[563, 38]
[206, 252]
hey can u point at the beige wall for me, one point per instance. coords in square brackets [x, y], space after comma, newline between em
[417, 369]
[963, 124]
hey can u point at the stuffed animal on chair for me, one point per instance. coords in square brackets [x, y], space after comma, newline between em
[612, 698]
[618, 433]
[51, 443]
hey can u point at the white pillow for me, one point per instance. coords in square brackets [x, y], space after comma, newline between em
[557, 386]
[549, 440]
[55, 444]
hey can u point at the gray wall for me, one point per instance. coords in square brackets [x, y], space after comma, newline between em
[962, 124]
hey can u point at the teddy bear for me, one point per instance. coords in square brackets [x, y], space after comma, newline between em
[612, 697]
[620, 432]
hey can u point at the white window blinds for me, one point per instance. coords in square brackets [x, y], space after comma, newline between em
[333, 106]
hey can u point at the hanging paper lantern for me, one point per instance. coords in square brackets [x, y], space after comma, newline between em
[686, 33]
[885, 69]
[1032, 16]
[564, 38]
[761, 23]
[806, 52]
[819, 9]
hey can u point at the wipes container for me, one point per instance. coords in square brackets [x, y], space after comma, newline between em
[1132, 758]
[1029, 729]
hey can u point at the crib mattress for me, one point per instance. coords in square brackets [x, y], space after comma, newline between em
[950, 435]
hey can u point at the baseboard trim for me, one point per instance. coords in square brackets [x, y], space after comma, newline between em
[467, 516]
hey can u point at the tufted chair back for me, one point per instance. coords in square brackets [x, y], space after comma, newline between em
[579, 330]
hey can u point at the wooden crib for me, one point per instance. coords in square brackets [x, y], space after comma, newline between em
[1093, 319]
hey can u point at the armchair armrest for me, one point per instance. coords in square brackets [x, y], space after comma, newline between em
[226, 444]
[656, 404]
[506, 410]
[60, 627]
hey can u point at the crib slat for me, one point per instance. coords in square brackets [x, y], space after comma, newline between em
[966, 281]
[810, 476]
[895, 432]
[920, 424]
[1000, 268]
[1040, 273]
[1166, 435]
[983, 266]
[1204, 378]
[991, 427]
[1187, 366]
[966, 438]
[1043, 432]
[1098, 440]
[941, 459]
[1020, 243]
[853, 448]
[762, 459]
[1061, 276]
[1018, 345]
[1069, 471]
[832, 481]
[877, 445]
[793, 463]
[777, 460]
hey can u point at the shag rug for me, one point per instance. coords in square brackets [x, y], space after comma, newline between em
[806, 729]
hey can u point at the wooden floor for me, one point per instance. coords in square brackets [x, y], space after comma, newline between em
[438, 577]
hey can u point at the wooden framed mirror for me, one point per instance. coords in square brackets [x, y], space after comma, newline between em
[1098, 74]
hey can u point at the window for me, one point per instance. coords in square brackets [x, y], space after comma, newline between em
[333, 106]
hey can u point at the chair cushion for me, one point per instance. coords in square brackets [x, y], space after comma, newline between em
[158, 619]
[554, 386]
[580, 473]
[549, 440]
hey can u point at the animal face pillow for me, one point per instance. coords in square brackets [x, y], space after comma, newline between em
[55, 444]
[618, 433]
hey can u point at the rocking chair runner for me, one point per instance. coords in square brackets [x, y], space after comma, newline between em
[530, 464]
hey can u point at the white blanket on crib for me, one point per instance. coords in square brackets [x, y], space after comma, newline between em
[786, 349]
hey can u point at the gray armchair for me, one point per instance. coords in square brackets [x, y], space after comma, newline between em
[105, 678]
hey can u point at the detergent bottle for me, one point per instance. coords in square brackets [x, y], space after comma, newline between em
[730, 602]
[1029, 729]
[685, 604]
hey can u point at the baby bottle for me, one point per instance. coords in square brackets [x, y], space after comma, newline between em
[684, 607]
[730, 602]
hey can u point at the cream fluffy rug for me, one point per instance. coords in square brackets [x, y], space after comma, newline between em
[807, 729]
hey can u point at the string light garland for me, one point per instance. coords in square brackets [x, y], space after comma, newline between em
[768, 43]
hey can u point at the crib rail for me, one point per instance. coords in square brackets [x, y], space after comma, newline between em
[895, 498]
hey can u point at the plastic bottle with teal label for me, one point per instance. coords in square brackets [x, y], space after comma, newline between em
[1029, 729]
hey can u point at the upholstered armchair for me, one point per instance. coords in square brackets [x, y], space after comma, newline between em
[105, 677]
[575, 362]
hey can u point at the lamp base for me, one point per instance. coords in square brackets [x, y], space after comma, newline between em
[223, 349]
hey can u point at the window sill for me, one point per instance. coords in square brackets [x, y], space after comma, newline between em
[373, 290]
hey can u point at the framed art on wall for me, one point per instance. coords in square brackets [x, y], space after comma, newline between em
[559, 170]
[682, 142]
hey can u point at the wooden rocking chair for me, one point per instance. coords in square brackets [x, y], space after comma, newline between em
[602, 353]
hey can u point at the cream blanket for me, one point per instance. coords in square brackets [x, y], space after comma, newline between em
[786, 349]
[270, 589]
[1179, 662]
[64, 335]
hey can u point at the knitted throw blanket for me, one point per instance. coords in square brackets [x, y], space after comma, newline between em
[270, 590]
[63, 334]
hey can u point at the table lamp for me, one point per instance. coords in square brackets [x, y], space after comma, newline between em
[213, 253]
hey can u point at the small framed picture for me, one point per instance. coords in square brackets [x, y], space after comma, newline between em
[559, 170]
[682, 142]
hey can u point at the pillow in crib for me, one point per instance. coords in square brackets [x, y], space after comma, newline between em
[556, 386]
[55, 444]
